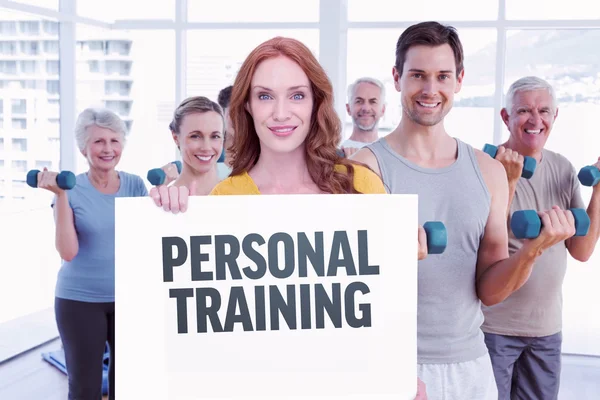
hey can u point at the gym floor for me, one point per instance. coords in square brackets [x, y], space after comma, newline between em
[28, 377]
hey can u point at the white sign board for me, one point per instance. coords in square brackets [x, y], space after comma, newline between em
[267, 297]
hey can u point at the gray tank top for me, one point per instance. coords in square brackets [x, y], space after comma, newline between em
[449, 313]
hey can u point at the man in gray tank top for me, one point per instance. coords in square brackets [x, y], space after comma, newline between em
[524, 332]
[468, 191]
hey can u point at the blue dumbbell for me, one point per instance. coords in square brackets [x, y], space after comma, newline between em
[65, 179]
[157, 176]
[437, 237]
[589, 176]
[529, 163]
[526, 224]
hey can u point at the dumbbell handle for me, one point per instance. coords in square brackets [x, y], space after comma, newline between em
[157, 176]
[529, 163]
[589, 176]
[437, 237]
[527, 224]
[65, 179]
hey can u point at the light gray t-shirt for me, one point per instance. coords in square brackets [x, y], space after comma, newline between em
[535, 309]
[354, 144]
[449, 313]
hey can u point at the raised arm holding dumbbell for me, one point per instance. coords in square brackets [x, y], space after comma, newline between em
[66, 241]
[583, 247]
[516, 166]
[549, 227]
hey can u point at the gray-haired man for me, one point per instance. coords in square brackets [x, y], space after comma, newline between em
[366, 106]
[523, 333]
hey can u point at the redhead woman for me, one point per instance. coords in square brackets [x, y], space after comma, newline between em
[287, 132]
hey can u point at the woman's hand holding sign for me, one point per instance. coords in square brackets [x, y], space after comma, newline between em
[172, 198]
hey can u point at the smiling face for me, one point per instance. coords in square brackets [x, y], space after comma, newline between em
[103, 148]
[281, 103]
[200, 140]
[428, 83]
[530, 120]
[366, 106]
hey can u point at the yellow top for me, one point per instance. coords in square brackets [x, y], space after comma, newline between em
[365, 181]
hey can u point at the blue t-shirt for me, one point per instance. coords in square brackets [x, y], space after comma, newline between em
[90, 276]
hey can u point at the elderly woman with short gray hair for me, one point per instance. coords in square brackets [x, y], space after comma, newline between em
[85, 221]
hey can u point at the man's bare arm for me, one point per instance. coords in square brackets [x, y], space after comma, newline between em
[498, 275]
[581, 248]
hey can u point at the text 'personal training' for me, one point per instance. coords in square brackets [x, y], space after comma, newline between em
[287, 257]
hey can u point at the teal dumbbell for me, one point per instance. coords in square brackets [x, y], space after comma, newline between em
[529, 163]
[157, 176]
[437, 237]
[526, 224]
[64, 180]
[589, 176]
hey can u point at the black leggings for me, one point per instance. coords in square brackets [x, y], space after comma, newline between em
[84, 330]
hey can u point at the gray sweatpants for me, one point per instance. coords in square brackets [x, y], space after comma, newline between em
[526, 368]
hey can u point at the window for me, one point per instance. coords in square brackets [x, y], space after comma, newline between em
[245, 11]
[52, 87]
[28, 67]
[50, 28]
[567, 60]
[8, 28]
[19, 106]
[19, 123]
[371, 52]
[117, 88]
[142, 80]
[52, 67]
[29, 48]
[435, 10]
[8, 67]
[25, 105]
[111, 10]
[29, 28]
[544, 10]
[118, 68]
[19, 166]
[8, 48]
[118, 47]
[93, 66]
[51, 47]
[19, 145]
[214, 64]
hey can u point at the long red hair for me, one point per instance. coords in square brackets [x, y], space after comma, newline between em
[325, 127]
